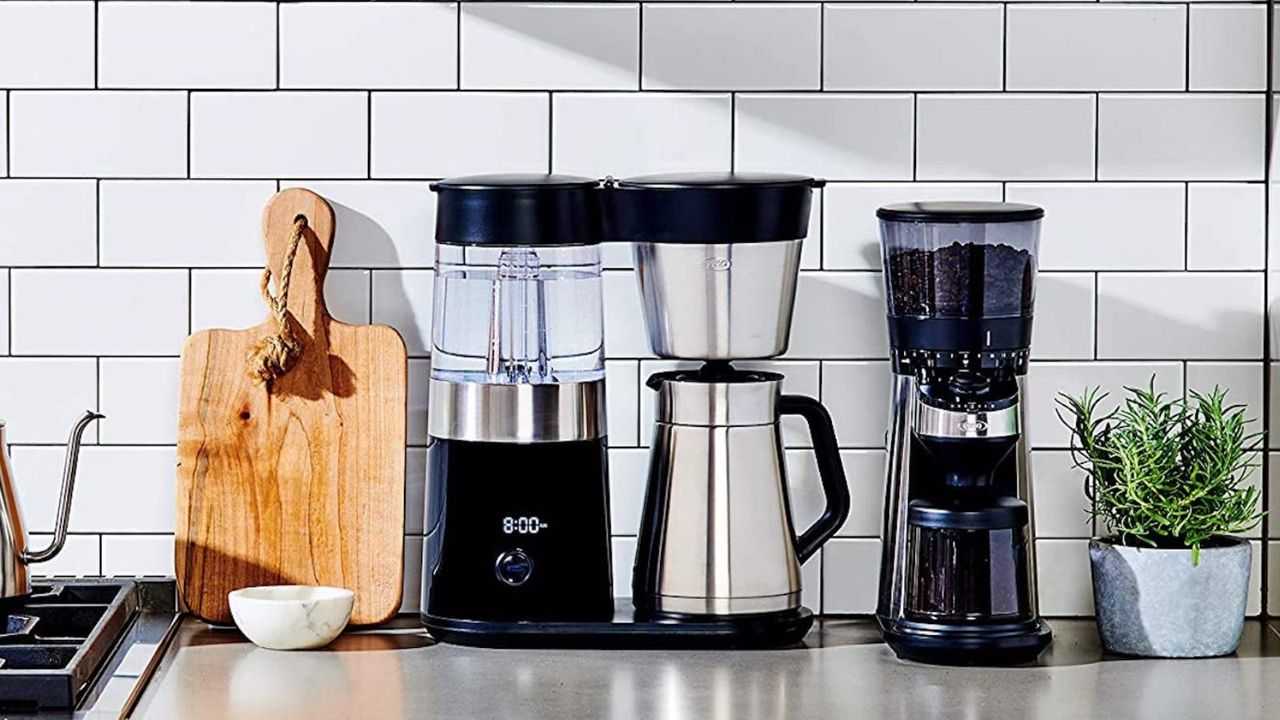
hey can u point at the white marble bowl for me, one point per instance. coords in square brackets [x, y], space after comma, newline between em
[291, 617]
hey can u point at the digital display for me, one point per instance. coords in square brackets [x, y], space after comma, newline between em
[523, 525]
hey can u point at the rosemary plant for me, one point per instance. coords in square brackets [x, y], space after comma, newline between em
[1165, 472]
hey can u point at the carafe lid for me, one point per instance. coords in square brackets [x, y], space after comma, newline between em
[709, 207]
[518, 210]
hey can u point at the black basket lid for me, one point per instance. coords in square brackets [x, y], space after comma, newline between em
[518, 209]
[709, 207]
[986, 513]
[972, 211]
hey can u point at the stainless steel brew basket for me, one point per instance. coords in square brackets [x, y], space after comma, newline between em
[718, 301]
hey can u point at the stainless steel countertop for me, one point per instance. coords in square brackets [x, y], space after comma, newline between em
[842, 672]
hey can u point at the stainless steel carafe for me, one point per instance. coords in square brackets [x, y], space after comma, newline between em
[15, 576]
[716, 535]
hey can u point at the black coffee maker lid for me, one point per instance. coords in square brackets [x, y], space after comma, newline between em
[518, 210]
[972, 211]
[709, 207]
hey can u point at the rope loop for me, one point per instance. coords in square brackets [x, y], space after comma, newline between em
[277, 353]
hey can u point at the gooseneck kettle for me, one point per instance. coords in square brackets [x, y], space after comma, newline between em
[15, 556]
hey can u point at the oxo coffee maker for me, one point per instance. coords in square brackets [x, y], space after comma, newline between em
[717, 257]
[957, 580]
[518, 509]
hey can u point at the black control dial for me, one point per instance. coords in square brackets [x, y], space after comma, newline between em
[514, 567]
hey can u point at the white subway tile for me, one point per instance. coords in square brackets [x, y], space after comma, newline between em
[1047, 380]
[99, 312]
[1097, 47]
[379, 224]
[857, 395]
[865, 471]
[558, 46]
[1273, 571]
[1253, 605]
[1226, 226]
[187, 45]
[624, 562]
[1108, 226]
[1180, 315]
[811, 248]
[1242, 381]
[43, 397]
[48, 222]
[4, 127]
[628, 475]
[1065, 579]
[79, 557]
[1061, 507]
[173, 223]
[851, 233]
[1228, 47]
[103, 134]
[1063, 327]
[369, 45]
[280, 134]
[139, 396]
[415, 491]
[1181, 136]
[624, 331]
[5, 312]
[727, 46]
[847, 137]
[850, 573]
[811, 582]
[46, 44]
[231, 298]
[403, 300]
[859, 332]
[622, 402]
[1004, 137]
[632, 134]
[411, 583]
[913, 47]
[144, 476]
[135, 555]
[419, 382]
[430, 135]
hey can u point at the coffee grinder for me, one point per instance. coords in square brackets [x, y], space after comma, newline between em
[958, 580]
[518, 507]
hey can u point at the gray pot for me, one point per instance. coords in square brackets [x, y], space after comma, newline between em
[1154, 602]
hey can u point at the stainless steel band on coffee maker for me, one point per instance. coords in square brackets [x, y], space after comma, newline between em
[516, 413]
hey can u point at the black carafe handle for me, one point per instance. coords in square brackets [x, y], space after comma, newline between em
[830, 471]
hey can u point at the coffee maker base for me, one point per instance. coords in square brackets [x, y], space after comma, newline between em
[939, 644]
[628, 629]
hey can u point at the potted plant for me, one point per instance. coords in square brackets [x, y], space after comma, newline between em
[1166, 478]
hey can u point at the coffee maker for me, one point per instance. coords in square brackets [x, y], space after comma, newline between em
[517, 513]
[957, 577]
[717, 258]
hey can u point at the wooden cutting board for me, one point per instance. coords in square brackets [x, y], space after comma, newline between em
[301, 482]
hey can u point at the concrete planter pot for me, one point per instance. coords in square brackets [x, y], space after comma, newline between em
[1154, 602]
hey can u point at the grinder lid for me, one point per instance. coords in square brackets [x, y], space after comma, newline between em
[709, 207]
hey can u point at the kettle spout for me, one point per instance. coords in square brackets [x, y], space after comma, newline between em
[68, 486]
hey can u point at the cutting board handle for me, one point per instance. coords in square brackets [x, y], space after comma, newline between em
[306, 288]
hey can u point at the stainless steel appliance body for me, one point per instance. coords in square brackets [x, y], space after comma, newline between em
[15, 556]
[718, 301]
[717, 536]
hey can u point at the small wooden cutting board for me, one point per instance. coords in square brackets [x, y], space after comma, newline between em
[301, 482]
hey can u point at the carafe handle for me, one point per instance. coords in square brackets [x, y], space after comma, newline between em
[830, 471]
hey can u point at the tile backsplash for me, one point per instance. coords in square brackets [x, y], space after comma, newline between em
[142, 139]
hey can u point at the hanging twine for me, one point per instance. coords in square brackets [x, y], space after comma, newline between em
[273, 355]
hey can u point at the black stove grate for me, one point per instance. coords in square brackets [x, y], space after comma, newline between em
[55, 640]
